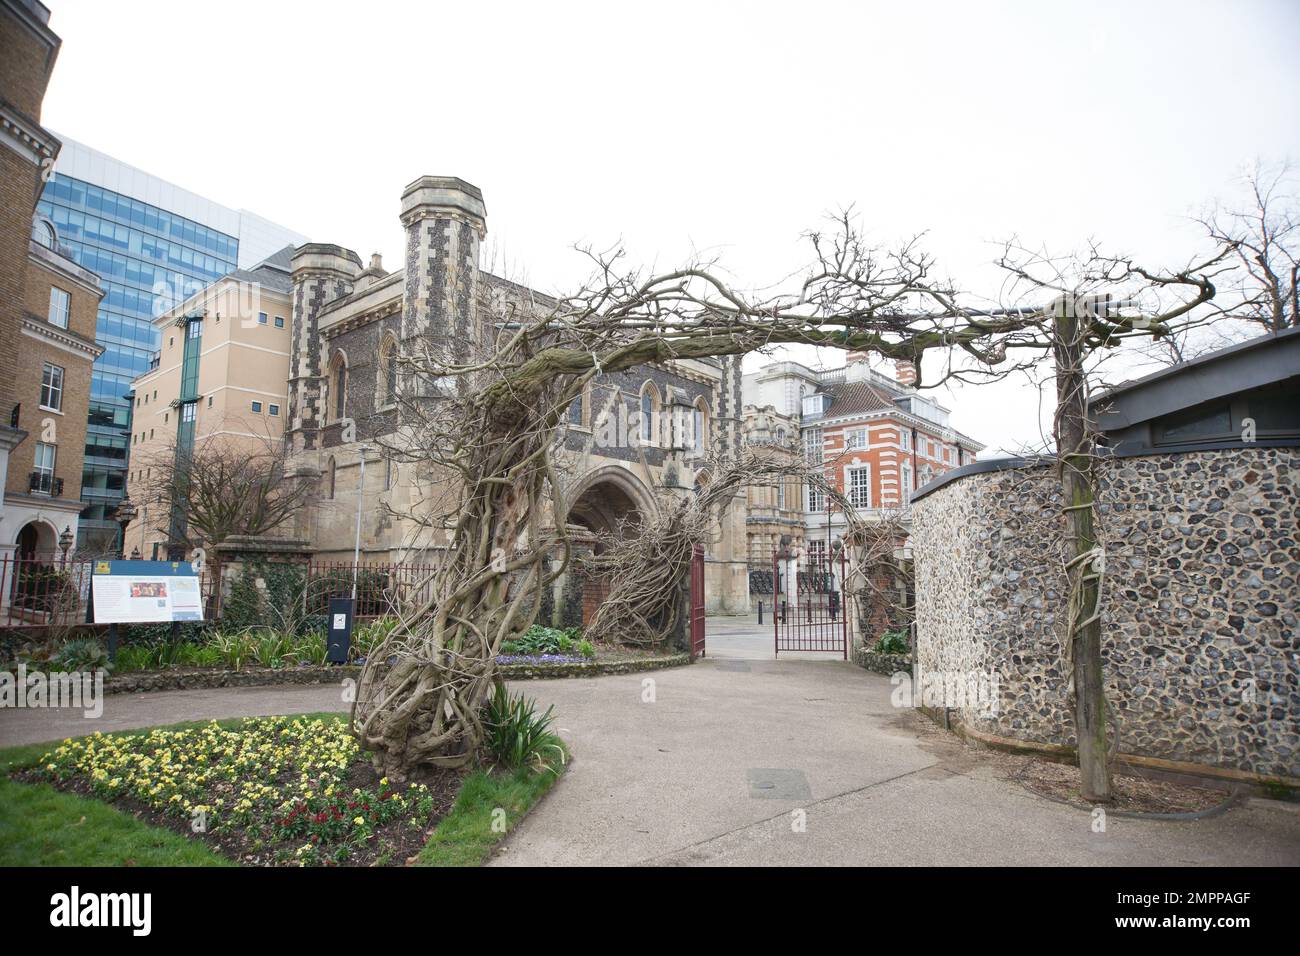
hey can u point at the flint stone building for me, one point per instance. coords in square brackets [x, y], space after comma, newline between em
[350, 324]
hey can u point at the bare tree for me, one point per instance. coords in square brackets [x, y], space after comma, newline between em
[1263, 234]
[488, 412]
[220, 488]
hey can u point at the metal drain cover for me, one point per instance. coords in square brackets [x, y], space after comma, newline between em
[779, 783]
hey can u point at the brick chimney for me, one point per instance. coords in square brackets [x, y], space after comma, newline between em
[905, 372]
[857, 355]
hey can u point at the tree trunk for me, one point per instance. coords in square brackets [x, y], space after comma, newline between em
[1075, 450]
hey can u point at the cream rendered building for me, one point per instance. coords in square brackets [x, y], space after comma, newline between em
[220, 372]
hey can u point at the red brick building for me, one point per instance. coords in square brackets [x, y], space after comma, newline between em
[877, 437]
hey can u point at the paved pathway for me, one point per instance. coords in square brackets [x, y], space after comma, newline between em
[711, 771]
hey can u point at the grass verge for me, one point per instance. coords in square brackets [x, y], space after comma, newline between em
[471, 831]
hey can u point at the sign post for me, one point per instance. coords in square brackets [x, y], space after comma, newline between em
[144, 592]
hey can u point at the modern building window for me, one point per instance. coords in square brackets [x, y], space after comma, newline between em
[60, 306]
[273, 410]
[279, 321]
[257, 407]
[43, 466]
[261, 318]
[194, 328]
[860, 487]
[52, 387]
[189, 411]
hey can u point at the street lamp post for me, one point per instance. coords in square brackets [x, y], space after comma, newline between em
[125, 515]
[65, 543]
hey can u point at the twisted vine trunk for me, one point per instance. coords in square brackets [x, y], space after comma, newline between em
[421, 693]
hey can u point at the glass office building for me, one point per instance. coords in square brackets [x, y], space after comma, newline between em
[153, 245]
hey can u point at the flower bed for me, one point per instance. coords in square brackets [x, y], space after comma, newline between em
[272, 790]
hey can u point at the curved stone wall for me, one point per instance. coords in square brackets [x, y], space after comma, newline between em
[1202, 596]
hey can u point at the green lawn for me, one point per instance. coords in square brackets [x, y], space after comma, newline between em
[465, 836]
[40, 826]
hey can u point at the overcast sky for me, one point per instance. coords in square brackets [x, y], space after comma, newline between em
[724, 127]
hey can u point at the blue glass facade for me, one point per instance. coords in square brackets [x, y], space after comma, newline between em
[148, 260]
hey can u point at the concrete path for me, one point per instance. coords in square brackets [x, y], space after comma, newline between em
[711, 766]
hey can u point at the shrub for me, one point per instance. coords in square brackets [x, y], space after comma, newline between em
[893, 642]
[270, 648]
[516, 734]
[586, 649]
[82, 654]
[310, 648]
[539, 640]
[367, 635]
[236, 649]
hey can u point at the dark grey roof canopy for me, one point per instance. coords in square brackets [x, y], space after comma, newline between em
[1256, 363]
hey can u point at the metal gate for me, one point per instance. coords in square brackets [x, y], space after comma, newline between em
[810, 610]
[697, 602]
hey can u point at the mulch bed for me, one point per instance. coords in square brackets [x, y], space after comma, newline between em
[1130, 794]
[395, 843]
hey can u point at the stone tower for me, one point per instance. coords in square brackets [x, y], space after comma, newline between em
[321, 273]
[444, 219]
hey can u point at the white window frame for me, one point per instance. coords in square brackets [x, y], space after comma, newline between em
[856, 493]
[816, 499]
[49, 372]
[60, 316]
[856, 439]
[41, 469]
[814, 445]
[904, 439]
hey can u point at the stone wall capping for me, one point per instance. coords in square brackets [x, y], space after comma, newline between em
[1039, 461]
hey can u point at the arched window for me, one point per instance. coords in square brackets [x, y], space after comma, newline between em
[649, 414]
[388, 372]
[328, 478]
[339, 387]
[577, 413]
[700, 424]
[43, 232]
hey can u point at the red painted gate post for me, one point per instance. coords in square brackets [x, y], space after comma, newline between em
[776, 605]
[844, 603]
